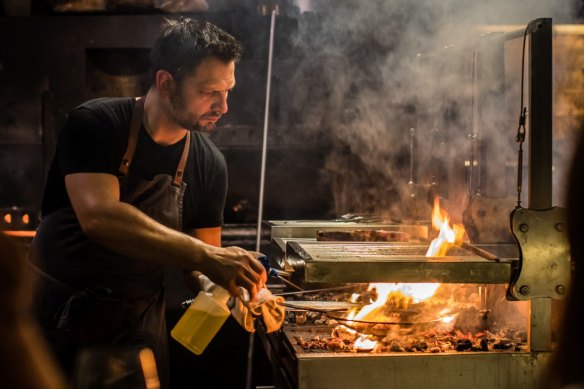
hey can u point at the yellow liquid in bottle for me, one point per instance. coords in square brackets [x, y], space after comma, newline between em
[196, 328]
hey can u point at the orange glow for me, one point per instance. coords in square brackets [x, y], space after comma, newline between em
[25, 218]
[149, 370]
[7, 218]
[447, 237]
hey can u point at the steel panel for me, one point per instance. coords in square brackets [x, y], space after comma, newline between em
[388, 262]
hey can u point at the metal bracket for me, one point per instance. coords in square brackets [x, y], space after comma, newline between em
[544, 259]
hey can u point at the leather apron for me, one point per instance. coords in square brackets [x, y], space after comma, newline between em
[89, 295]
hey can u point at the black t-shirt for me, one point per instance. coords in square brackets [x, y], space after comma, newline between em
[94, 140]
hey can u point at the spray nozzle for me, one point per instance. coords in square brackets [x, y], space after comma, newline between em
[265, 261]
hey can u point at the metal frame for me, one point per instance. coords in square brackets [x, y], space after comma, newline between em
[540, 159]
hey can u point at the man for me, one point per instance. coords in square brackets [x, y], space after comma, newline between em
[127, 179]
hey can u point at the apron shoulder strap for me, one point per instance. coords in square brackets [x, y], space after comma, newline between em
[133, 138]
[178, 176]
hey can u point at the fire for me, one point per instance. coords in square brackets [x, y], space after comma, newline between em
[364, 343]
[447, 237]
[399, 296]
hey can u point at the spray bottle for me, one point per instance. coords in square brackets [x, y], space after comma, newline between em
[202, 320]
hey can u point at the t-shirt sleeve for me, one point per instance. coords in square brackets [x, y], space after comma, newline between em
[210, 211]
[87, 142]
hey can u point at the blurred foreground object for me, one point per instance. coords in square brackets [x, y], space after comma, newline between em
[565, 369]
[26, 364]
[116, 368]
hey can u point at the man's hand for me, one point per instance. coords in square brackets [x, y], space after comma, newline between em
[232, 267]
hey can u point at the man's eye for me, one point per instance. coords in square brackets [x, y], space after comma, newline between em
[210, 94]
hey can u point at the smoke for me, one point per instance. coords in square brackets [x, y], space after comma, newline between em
[372, 70]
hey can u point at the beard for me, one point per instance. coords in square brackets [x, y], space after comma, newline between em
[186, 119]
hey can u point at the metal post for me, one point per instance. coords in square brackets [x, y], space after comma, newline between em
[540, 157]
[540, 334]
[262, 179]
[265, 138]
[540, 115]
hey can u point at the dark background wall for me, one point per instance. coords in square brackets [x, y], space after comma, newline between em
[49, 63]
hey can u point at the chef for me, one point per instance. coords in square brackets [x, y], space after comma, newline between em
[136, 187]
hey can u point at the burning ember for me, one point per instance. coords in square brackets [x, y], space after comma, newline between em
[447, 321]
[428, 318]
[432, 341]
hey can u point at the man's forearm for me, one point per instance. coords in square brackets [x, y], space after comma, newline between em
[128, 231]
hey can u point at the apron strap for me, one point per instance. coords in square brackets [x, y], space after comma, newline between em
[178, 176]
[133, 139]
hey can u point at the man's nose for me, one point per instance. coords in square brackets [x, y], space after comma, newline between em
[220, 104]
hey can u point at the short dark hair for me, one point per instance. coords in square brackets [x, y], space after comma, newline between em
[183, 43]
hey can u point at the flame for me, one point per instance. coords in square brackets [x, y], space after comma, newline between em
[447, 237]
[364, 343]
[398, 295]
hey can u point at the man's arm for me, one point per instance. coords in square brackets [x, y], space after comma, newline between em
[128, 231]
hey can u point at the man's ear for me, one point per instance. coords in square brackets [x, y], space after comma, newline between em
[165, 83]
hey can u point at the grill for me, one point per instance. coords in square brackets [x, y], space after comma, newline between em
[531, 272]
[341, 263]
